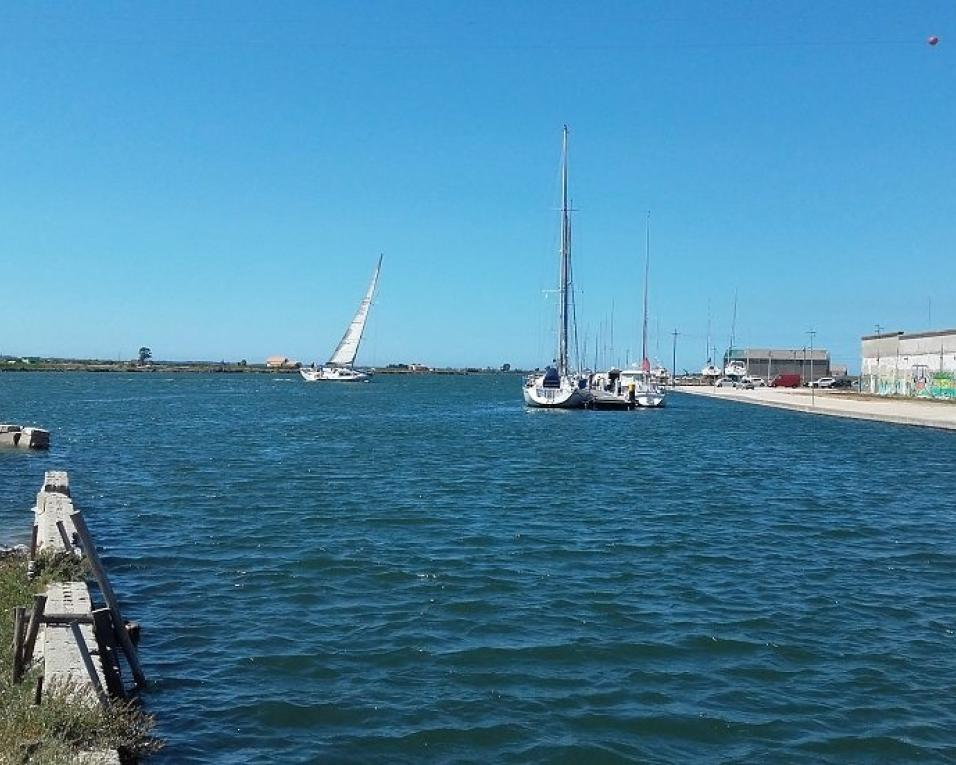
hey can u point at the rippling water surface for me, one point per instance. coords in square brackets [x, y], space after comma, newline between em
[422, 570]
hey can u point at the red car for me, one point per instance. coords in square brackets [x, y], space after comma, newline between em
[786, 381]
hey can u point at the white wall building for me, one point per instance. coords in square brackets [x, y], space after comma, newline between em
[921, 364]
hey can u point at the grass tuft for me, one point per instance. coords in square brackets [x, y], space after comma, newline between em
[59, 567]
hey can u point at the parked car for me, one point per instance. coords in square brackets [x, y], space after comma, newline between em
[758, 382]
[744, 384]
[843, 382]
[823, 382]
[724, 382]
[789, 380]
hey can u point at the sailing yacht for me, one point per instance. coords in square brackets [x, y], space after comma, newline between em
[709, 369]
[340, 368]
[559, 387]
[640, 385]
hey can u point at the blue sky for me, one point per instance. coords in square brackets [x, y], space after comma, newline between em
[216, 180]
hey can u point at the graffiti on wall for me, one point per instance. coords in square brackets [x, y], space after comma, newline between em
[942, 385]
[921, 382]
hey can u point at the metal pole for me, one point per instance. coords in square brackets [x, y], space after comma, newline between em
[876, 385]
[896, 369]
[674, 362]
[812, 387]
[89, 551]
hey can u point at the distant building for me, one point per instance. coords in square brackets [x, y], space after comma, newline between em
[921, 364]
[280, 362]
[767, 363]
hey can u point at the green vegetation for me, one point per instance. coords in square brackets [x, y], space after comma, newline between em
[68, 721]
[15, 590]
[58, 567]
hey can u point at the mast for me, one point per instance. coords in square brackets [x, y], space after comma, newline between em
[611, 347]
[645, 364]
[565, 261]
[733, 324]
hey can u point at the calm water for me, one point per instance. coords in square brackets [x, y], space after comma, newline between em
[421, 570]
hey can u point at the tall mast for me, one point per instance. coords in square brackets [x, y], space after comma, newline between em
[611, 347]
[733, 324]
[645, 364]
[565, 260]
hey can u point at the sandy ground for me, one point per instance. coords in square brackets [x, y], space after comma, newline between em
[930, 414]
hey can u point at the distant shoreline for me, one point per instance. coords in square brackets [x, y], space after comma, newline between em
[218, 368]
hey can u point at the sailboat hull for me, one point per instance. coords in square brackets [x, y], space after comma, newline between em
[565, 397]
[334, 374]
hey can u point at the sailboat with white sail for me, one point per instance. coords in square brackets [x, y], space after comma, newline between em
[560, 387]
[340, 367]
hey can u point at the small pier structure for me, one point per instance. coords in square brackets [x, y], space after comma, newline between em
[78, 644]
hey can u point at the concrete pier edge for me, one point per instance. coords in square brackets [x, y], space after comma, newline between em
[71, 653]
[836, 405]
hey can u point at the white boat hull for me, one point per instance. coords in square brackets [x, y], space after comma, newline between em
[566, 396]
[333, 374]
[650, 399]
[647, 394]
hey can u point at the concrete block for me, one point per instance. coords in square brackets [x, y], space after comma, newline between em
[62, 659]
[34, 438]
[50, 509]
[24, 438]
[98, 758]
[56, 482]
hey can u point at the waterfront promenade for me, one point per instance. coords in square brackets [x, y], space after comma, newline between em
[924, 413]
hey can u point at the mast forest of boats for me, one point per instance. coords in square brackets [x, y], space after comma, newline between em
[562, 387]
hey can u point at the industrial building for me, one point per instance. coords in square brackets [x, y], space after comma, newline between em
[770, 362]
[920, 364]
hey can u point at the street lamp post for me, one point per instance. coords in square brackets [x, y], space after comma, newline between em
[812, 333]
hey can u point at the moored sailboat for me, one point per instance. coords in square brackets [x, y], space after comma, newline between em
[559, 387]
[640, 385]
[340, 367]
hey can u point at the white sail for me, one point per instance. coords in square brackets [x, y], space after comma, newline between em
[347, 350]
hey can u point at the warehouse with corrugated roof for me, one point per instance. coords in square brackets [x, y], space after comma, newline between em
[767, 363]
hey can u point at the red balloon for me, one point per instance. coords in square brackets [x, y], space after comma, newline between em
[933, 40]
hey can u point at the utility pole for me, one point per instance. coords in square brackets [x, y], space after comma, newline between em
[876, 383]
[674, 361]
[812, 334]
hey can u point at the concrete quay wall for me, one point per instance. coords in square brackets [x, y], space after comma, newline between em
[928, 414]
